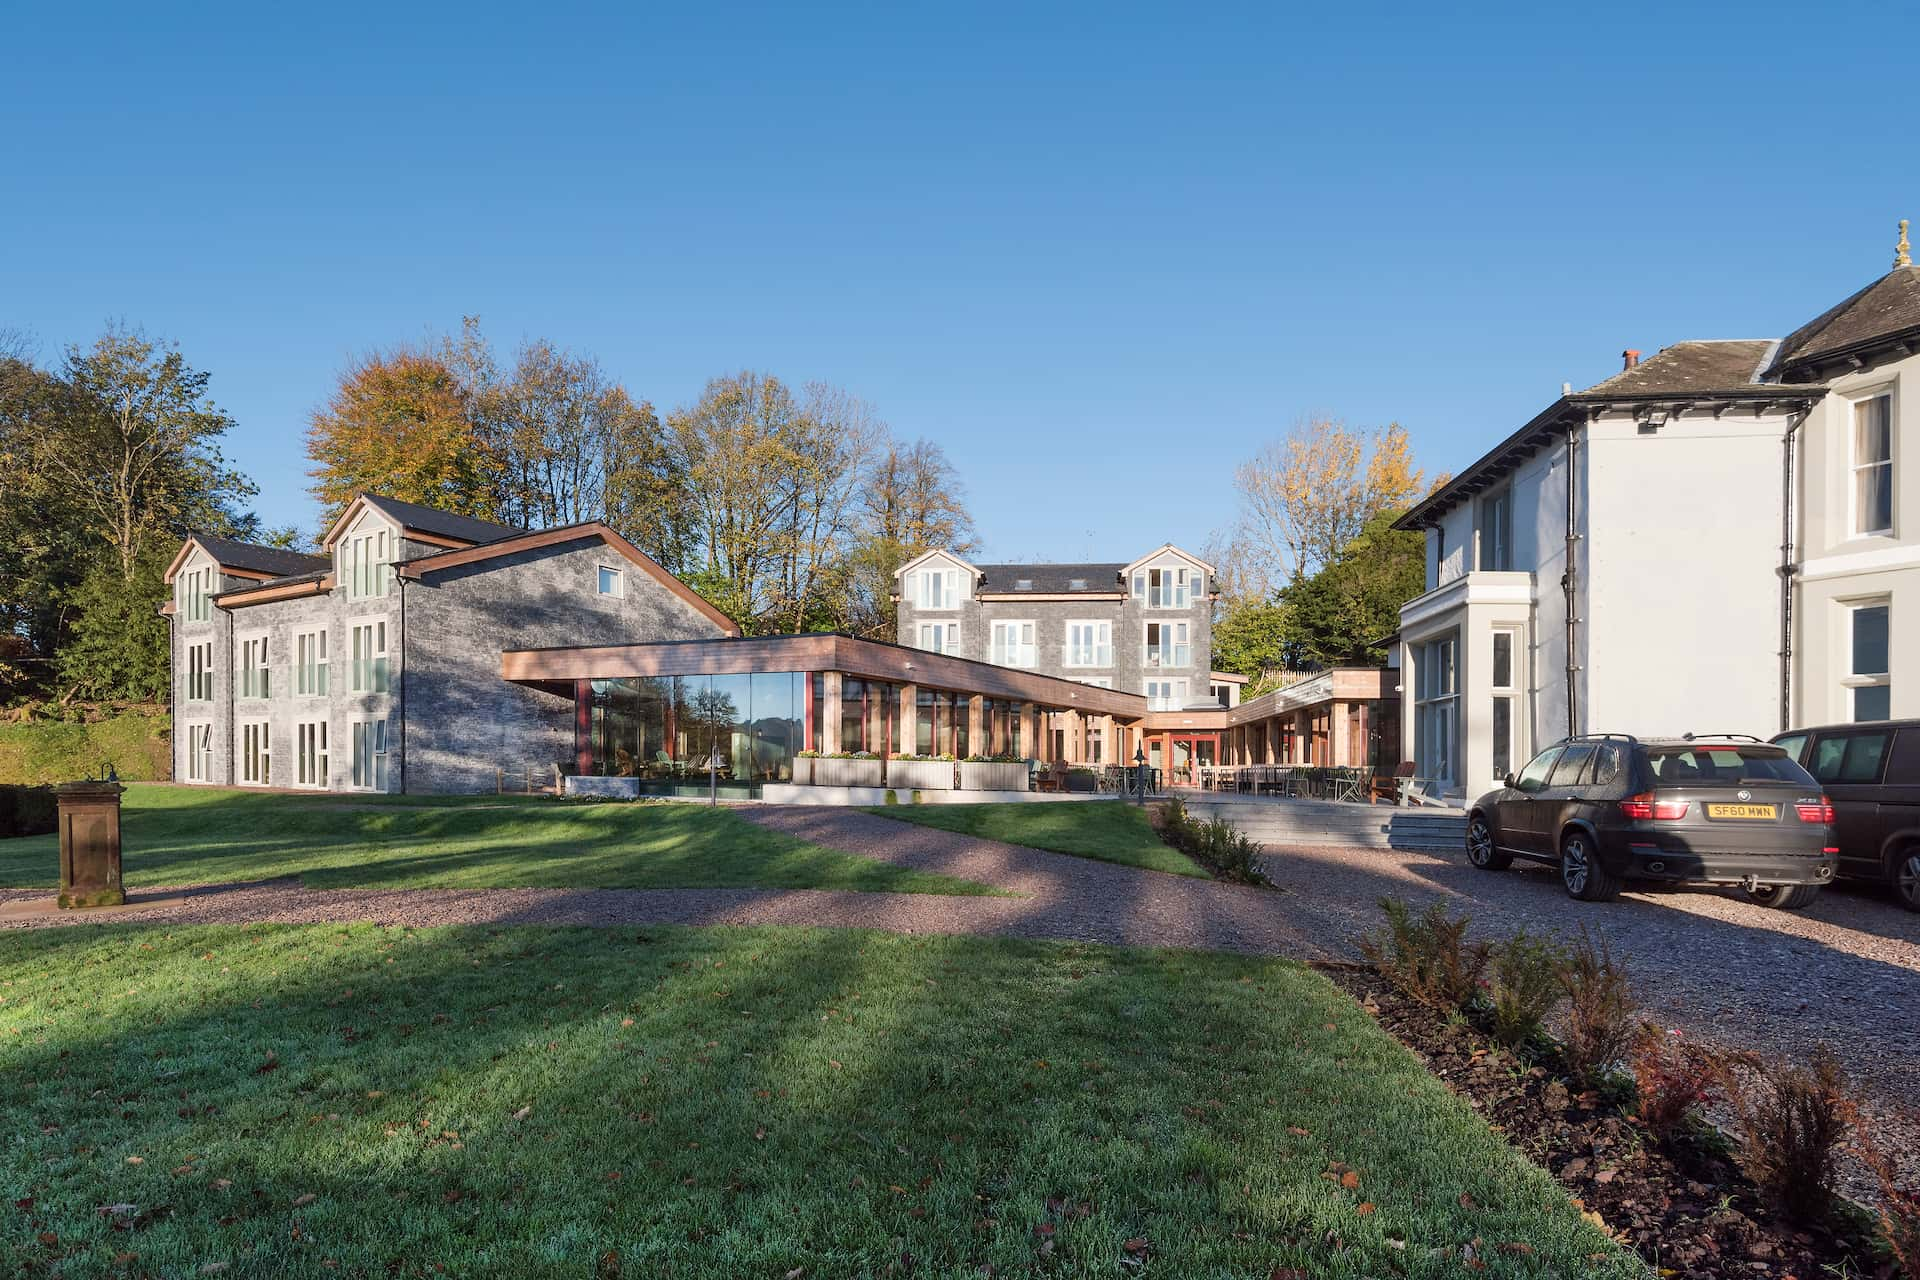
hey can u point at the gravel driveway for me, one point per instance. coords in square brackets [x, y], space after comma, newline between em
[1847, 970]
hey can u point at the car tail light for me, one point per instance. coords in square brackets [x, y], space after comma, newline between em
[1822, 812]
[1645, 806]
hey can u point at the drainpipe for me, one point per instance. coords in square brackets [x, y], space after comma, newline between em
[402, 702]
[1788, 567]
[1569, 583]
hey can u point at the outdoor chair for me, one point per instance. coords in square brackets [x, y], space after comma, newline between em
[1347, 784]
[1051, 778]
[1386, 786]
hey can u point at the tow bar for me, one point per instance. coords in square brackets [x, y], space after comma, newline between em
[1750, 883]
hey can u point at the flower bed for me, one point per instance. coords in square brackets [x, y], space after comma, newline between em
[839, 771]
[1657, 1177]
[994, 775]
[920, 773]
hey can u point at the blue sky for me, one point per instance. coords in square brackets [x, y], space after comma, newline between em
[1100, 253]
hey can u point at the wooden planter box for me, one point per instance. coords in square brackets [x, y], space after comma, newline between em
[978, 775]
[920, 775]
[846, 773]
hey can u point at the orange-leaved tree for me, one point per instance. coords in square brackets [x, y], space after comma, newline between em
[400, 424]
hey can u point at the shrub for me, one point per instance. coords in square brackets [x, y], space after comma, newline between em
[1428, 957]
[1216, 844]
[1675, 1078]
[1525, 986]
[1899, 1201]
[28, 811]
[1600, 1010]
[1792, 1123]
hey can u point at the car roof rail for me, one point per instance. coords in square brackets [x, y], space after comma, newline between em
[1722, 737]
[1600, 737]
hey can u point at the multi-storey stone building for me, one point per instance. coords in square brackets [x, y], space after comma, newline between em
[376, 666]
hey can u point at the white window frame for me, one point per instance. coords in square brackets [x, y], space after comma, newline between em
[199, 753]
[370, 673]
[255, 767]
[1436, 706]
[1013, 642]
[199, 672]
[1098, 682]
[310, 748]
[1857, 470]
[311, 677]
[256, 672]
[938, 637]
[1854, 681]
[1175, 654]
[936, 590]
[367, 563]
[1494, 530]
[1166, 693]
[1089, 643]
[370, 748]
[618, 576]
[1507, 693]
[196, 594]
[1165, 586]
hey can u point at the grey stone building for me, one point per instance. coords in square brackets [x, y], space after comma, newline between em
[1145, 627]
[376, 666]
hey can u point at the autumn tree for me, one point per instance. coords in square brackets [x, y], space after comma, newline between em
[1306, 496]
[912, 501]
[399, 423]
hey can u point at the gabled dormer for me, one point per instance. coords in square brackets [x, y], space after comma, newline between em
[1169, 578]
[206, 566]
[375, 532]
[935, 582]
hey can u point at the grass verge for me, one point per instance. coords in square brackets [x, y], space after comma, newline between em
[1106, 830]
[280, 1100]
[42, 751]
[189, 835]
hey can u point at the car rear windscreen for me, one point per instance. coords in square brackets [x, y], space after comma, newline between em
[1726, 764]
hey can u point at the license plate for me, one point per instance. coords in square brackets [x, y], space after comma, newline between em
[1747, 811]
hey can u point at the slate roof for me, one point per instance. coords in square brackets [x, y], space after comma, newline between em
[247, 555]
[412, 515]
[1690, 368]
[1889, 306]
[1052, 579]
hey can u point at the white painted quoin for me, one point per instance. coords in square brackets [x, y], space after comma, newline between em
[1722, 538]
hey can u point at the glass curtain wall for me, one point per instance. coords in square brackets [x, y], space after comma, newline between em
[940, 727]
[671, 729]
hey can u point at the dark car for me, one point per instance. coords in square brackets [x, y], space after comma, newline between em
[1608, 808]
[1872, 771]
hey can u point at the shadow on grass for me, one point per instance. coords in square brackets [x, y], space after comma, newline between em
[185, 836]
[724, 1103]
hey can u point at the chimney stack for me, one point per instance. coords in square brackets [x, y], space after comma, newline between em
[1629, 358]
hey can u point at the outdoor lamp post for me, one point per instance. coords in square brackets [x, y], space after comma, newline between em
[1140, 775]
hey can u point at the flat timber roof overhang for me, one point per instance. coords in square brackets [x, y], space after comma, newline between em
[557, 669]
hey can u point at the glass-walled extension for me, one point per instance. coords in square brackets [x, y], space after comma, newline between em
[676, 734]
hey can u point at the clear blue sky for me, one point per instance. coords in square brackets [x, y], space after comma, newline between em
[1099, 253]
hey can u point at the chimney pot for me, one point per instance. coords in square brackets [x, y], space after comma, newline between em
[1629, 358]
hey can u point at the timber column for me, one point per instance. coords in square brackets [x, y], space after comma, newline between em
[976, 726]
[909, 735]
[830, 714]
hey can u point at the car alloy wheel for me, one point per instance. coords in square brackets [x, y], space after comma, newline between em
[1479, 842]
[1906, 880]
[1481, 851]
[1575, 866]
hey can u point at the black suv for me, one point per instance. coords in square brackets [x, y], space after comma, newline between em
[1607, 808]
[1872, 771]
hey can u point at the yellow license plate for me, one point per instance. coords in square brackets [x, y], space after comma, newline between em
[1748, 811]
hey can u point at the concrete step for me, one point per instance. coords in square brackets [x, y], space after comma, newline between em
[1307, 822]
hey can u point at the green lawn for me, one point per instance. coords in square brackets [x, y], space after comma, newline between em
[329, 1100]
[186, 835]
[1104, 829]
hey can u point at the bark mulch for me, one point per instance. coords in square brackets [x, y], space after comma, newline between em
[1686, 1208]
